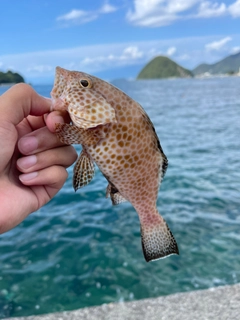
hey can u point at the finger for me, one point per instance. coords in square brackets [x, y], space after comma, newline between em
[64, 156]
[56, 117]
[30, 124]
[52, 176]
[38, 141]
[35, 122]
[16, 104]
[20, 101]
[45, 183]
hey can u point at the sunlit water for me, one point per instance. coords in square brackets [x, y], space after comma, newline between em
[80, 251]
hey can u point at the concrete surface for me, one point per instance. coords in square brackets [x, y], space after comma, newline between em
[222, 303]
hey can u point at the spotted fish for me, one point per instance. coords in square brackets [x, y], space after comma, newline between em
[115, 133]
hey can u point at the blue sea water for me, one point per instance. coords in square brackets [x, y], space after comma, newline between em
[80, 251]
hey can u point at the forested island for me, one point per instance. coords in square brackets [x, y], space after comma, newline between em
[229, 66]
[163, 67]
[10, 77]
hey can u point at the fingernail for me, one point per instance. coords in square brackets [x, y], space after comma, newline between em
[28, 144]
[27, 162]
[28, 176]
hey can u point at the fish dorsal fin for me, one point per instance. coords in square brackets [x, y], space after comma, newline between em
[157, 144]
[92, 111]
[114, 194]
[83, 170]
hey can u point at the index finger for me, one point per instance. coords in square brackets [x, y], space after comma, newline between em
[20, 101]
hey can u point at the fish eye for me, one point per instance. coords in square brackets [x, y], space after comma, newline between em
[85, 83]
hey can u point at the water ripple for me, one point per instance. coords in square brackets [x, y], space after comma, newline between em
[80, 251]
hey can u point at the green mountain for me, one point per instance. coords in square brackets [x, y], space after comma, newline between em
[230, 64]
[163, 67]
[10, 77]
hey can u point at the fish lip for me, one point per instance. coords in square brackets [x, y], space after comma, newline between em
[75, 121]
[57, 104]
[88, 123]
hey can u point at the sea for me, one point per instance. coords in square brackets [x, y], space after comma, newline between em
[80, 251]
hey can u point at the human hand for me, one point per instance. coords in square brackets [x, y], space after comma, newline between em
[33, 161]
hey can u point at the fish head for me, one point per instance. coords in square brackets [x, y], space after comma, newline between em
[76, 93]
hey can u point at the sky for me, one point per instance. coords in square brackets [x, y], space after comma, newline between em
[113, 38]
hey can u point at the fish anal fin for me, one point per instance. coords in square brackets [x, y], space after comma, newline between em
[157, 240]
[114, 194]
[117, 198]
[83, 171]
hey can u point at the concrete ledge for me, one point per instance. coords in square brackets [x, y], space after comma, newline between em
[217, 303]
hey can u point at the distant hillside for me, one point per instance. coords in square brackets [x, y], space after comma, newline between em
[229, 64]
[10, 77]
[163, 67]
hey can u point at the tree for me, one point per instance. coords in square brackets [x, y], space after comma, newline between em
[10, 77]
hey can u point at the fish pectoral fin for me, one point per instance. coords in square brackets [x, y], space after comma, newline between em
[83, 171]
[114, 194]
[157, 240]
[71, 134]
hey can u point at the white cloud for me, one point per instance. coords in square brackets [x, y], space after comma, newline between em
[40, 68]
[131, 53]
[76, 16]
[171, 51]
[107, 8]
[217, 45]
[153, 13]
[208, 9]
[235, 50]
[184, 57]
[156, 13]
[72, 15]
[94, 59]
[234, 9]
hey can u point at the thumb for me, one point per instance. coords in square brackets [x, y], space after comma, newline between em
[15, 105]
[20, 101]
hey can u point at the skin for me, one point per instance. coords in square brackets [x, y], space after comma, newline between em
[33, 161]
[115, 133]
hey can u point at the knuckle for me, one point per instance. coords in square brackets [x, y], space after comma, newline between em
[23, 88]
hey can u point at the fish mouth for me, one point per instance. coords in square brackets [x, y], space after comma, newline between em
[57, 104]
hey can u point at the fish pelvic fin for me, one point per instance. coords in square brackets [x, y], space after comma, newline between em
[157, 240]
[114, 194]
[83, 171]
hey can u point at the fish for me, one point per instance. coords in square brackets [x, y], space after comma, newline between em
[117, 135]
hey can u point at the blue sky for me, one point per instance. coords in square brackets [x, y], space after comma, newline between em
[113, 38]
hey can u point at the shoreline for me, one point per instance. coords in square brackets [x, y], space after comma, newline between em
[7, 84]
[215, 303]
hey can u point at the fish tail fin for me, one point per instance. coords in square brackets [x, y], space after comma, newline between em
[157, 239]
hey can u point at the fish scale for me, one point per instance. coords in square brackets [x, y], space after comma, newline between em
[116, 134]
